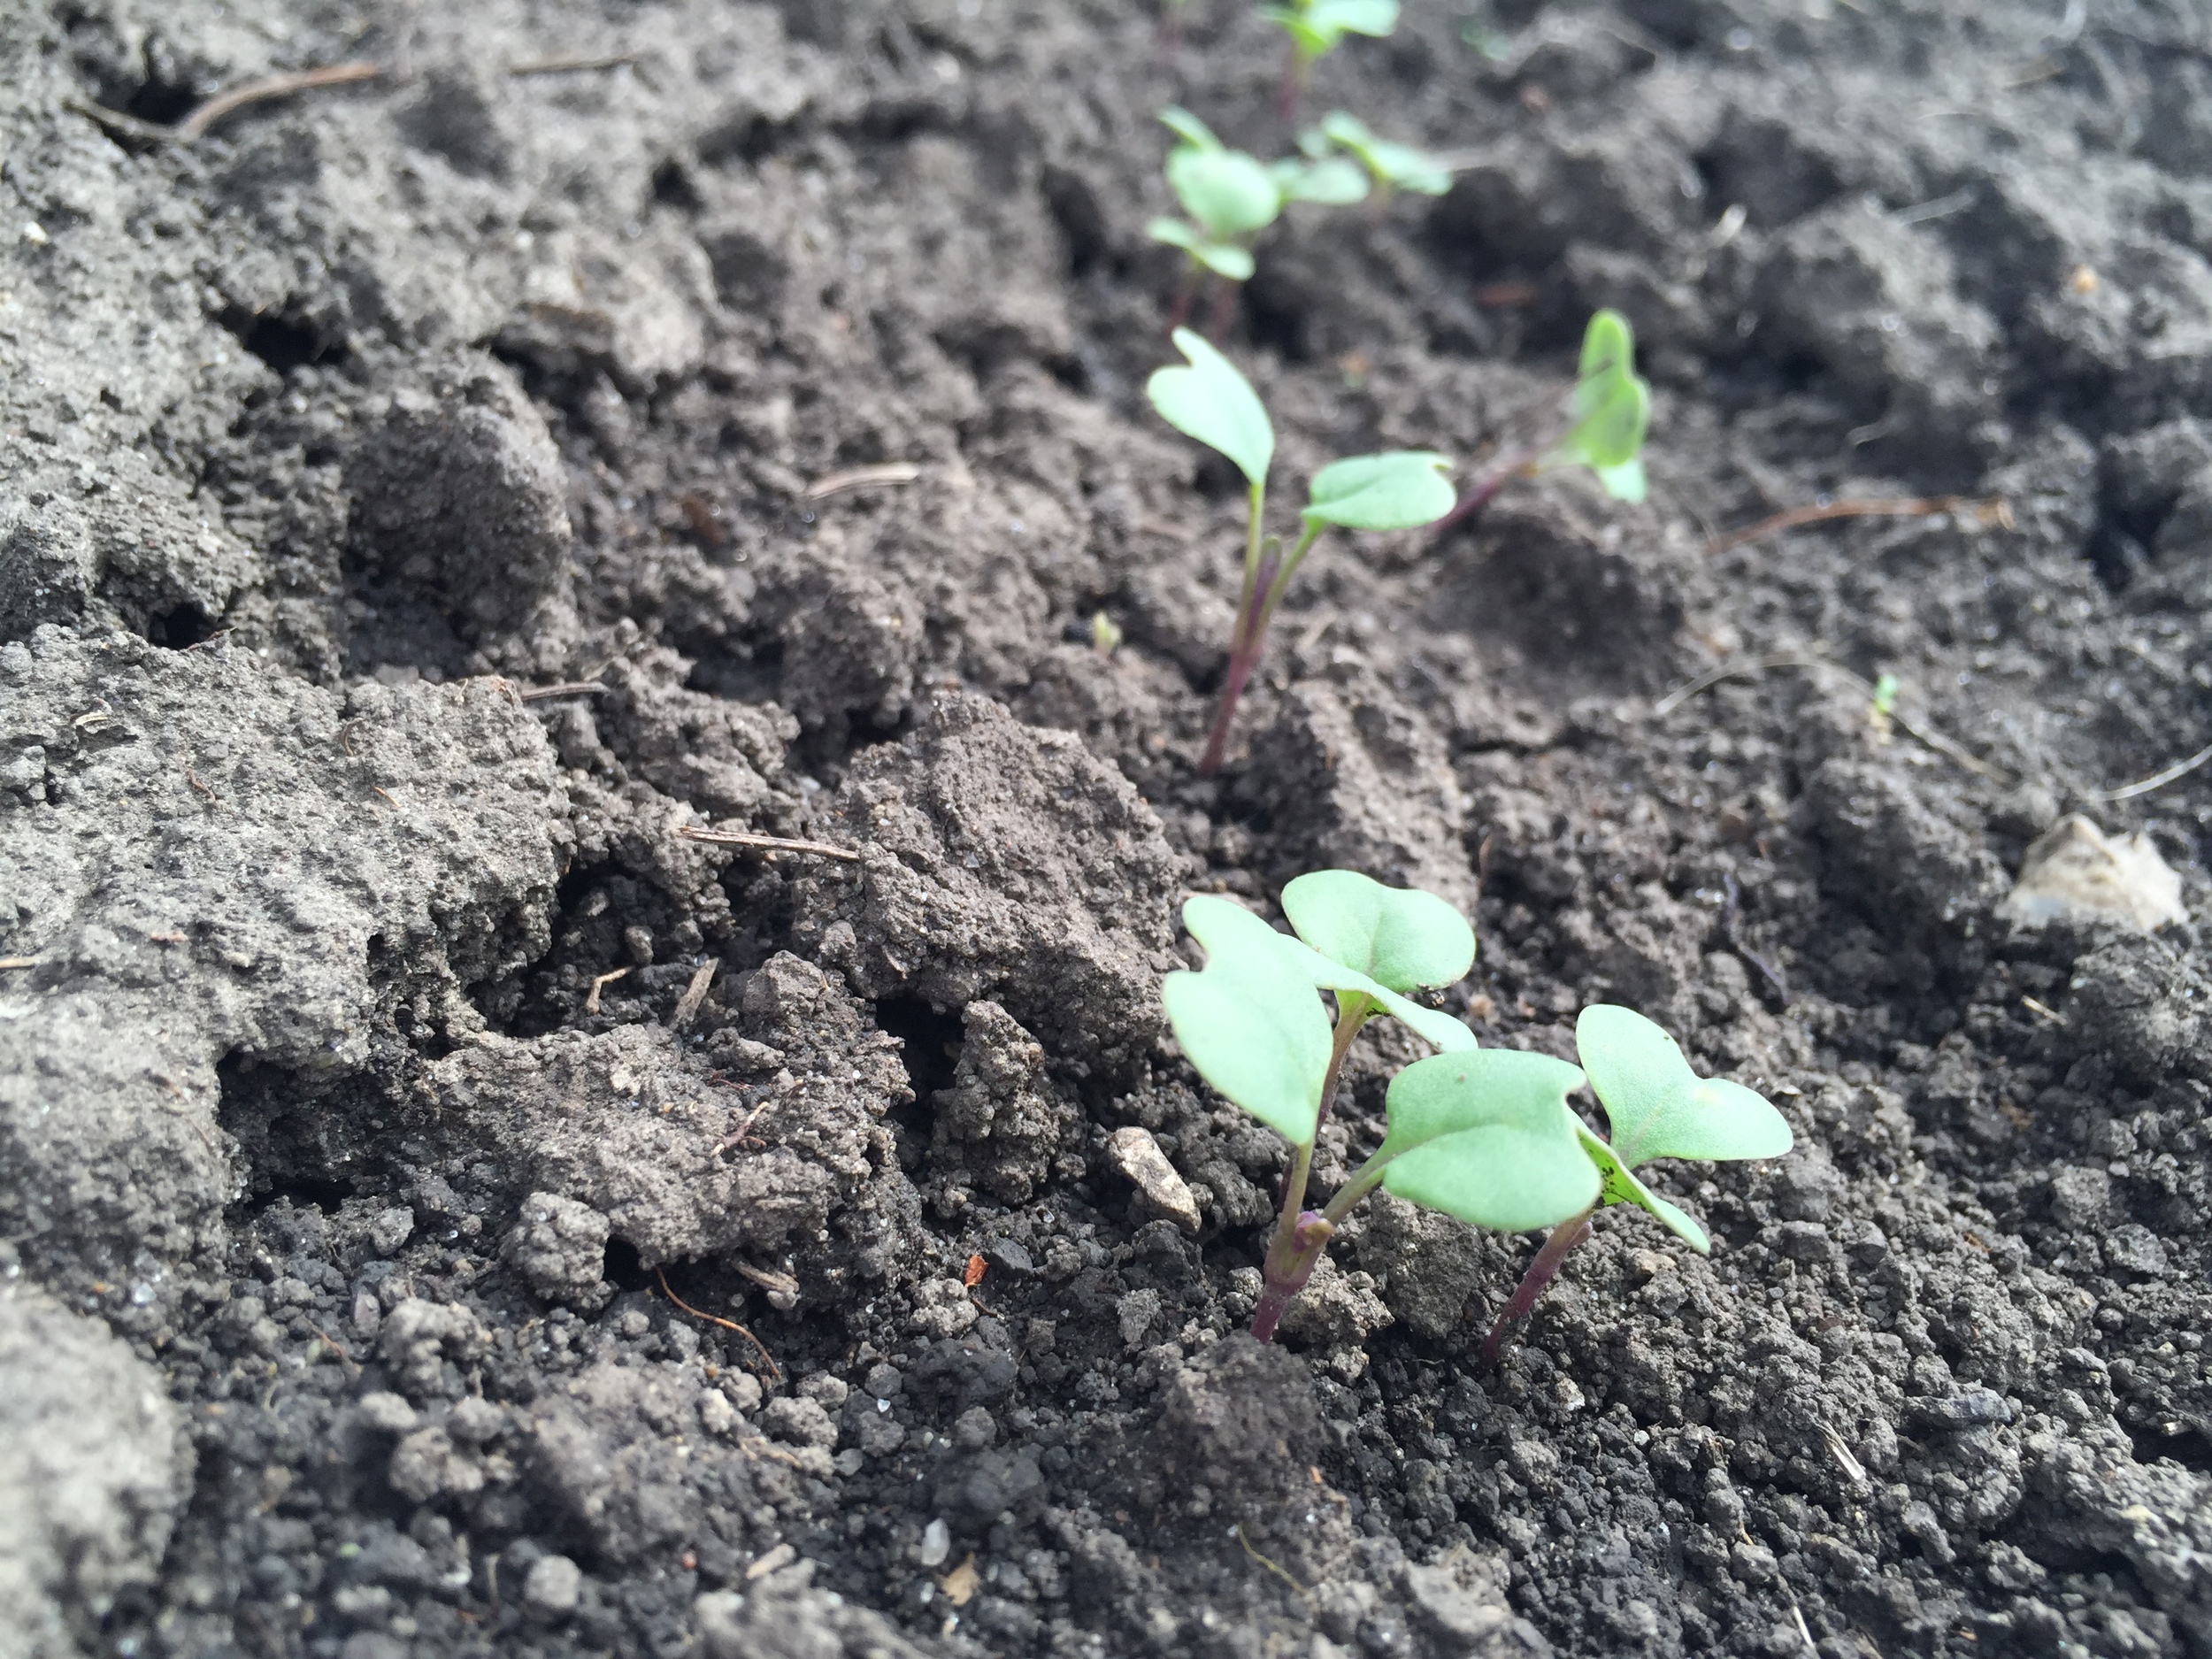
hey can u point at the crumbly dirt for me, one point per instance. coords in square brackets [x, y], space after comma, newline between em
[443, 1210]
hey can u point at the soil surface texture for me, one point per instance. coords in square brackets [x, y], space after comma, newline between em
[446, 1211]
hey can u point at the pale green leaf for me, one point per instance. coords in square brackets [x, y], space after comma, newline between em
[1612, 406]
[1624, 483]
[1332, 182]
[1189, 128]
[1620, 1186]
[1487, 1137]
[1396, 491]
[1401, 936]
[1210, 401]
[1230, 193]
[1226, 928]
[1657, 1107]
[1251, 1026]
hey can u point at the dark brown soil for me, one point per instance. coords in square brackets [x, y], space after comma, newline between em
[398, 1119]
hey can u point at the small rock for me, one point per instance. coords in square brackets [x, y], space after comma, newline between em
[474, 1420]
[974, 1428]
[552, 1591]
[2135, 1248]
[1754, 1563]
[936, 1543]
[428, 1465]
[385, 1412]
[1138, 1156]
[799, 1421]
[1009, 1254]
[559, 1247]
[2072, 872]
[390, 1229]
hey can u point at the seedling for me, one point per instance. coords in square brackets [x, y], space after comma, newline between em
[1400, 490]
[1602, 428]
[1657, 1108]
[1231, 197]
[1316, 28]
[1392, 166]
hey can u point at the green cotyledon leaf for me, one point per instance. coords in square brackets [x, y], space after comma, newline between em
[1401, 936]
[1619, 1185]
[1210, 401]
[1657, 1107]
[1487, 1137]
[1221, 924]
[1251, 1026]
[1400, 490]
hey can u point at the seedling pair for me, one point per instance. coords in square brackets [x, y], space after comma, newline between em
[1391, 166]
[1602, 428]
[1402, 489]
[1485, 1134]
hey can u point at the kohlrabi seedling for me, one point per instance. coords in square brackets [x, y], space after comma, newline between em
[1392, 166]
[1316, 28]
[1603, 426]
[1403, 489]
[1230, 197]
[1482, 1134]
[1657, 1107]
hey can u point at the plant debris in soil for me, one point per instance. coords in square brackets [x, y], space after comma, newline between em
[446, 1209]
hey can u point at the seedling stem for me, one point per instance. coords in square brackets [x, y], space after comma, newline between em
[1558, 1246]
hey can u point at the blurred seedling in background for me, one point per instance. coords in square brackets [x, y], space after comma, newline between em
[1391, 166]
[1251, 1024]
[1315, 28]
[1603, 426]
[1657, 1107]
[1229, 197]
[1403, 489]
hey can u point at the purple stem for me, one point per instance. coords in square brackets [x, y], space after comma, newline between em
[1294, 83]
[1479, 494]
[1296, 1247]
[1244, 655]
[1225, 309]
[1541, 1273]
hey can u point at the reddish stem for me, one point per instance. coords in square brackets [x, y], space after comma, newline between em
[1225, 310]
[1240, 665]
[1290, 1263]
[1480, 494]
[1180, 310]
[1541, 1273]
[1293, 84]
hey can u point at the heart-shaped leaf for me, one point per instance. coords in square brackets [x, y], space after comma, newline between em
[1189, 128]
[1210, 401]
[1400, 167]
[1225, 257]
[1612, 408]
[1487, 1137]
[1657, 1107]
[1397, 491]
[1251, 1026]
[1621, 1186]
[1331, 182]
[1224, 926]
[1401, 936]
[1230, 193]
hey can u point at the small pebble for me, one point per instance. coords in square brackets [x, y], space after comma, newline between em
[554, 1585]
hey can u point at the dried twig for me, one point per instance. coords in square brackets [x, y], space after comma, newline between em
[766, 843]
[2156, 781]
[780, 1284]
[696, 993]
[570, 65]
[862, 477]
[760, 1347]
[1712, 677]
[599, 983]
[566, 688]
[12, 962]
[1983, 510]
[1265, 1563]
[201, 116]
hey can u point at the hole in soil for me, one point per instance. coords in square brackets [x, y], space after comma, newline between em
[161, 102]
[279, 341]
[673, 186]
[186, 625]
[625, 1270]
[293, 1138]
[1082, 221]
[2191, 1448]
[932, 1042]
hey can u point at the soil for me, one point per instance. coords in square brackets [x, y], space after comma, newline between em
[444, 1211]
